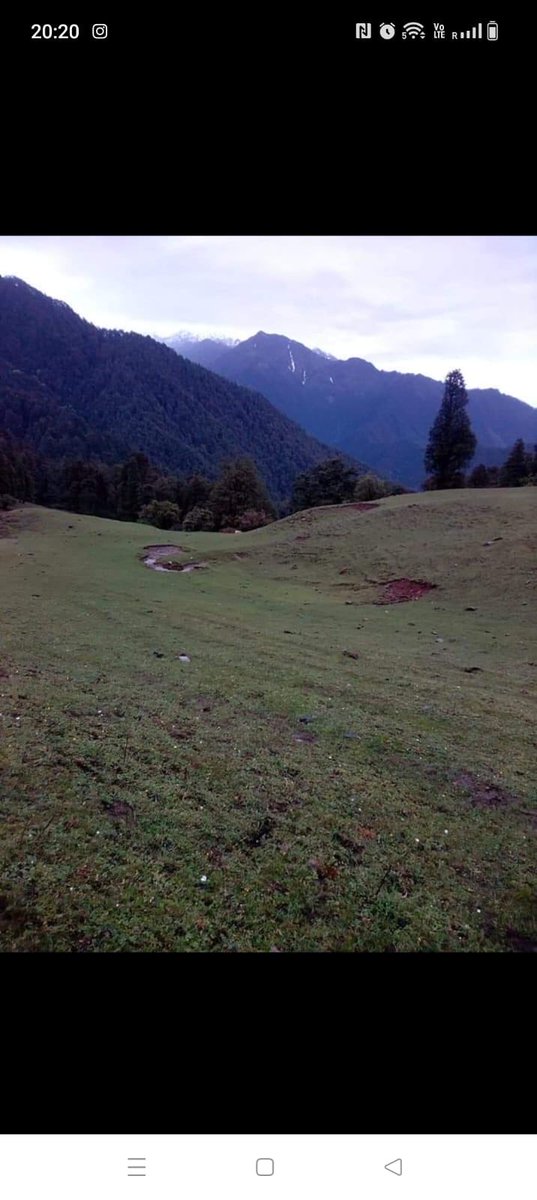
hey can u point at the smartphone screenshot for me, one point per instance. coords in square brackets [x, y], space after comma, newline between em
[268, 501]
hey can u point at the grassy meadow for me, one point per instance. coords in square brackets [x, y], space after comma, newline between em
[328, 772]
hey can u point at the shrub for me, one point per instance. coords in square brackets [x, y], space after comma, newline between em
[253, 519]
[201, 517]
[330, 482]
[370, 487]
[161, 513]
[7, 501]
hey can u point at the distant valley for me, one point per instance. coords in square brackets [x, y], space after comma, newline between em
[381, 417]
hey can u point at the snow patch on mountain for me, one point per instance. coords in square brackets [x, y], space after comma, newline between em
[292, 368]
[184, 335]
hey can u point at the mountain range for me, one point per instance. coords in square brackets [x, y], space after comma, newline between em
[71, 390]
[382, 417]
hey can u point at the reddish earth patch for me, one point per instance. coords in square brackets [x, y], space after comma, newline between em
[364, 505]
[398, 590]
[323, 870]
[215, 856]
[483, 795]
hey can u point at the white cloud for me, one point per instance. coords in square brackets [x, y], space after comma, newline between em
[405, 303]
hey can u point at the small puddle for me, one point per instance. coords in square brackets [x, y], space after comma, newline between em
[153, 560]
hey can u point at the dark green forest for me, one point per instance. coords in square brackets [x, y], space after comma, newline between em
[136, 489]
[72, 391]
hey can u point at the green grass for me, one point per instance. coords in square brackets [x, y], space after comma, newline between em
[126, 777]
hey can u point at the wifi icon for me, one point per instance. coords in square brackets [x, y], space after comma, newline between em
[413, 29]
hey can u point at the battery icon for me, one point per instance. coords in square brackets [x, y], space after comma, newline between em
[492, 31]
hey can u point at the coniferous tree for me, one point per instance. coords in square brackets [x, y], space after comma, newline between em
[452, 441]
[515, 468]
[532, 467]
[479, 477]
[134, 478]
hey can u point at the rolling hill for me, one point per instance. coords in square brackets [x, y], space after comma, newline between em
[268, 752]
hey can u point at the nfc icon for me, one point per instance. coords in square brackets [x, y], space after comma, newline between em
[363, 30]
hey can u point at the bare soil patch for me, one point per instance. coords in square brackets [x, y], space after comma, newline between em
[171, 566]
[483, 795]
[397, 590]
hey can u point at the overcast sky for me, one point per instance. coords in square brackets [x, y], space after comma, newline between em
[420, 304]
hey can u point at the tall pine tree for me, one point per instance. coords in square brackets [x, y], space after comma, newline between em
[452, 442]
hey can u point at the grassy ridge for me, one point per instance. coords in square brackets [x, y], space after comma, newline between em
[403, 821]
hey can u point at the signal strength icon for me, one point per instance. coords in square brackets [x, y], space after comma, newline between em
[413, 29]
[475, 32]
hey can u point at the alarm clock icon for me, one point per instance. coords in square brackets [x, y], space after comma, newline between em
[387, 30]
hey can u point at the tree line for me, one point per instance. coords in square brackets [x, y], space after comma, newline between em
[452, 444]
[136, 490]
